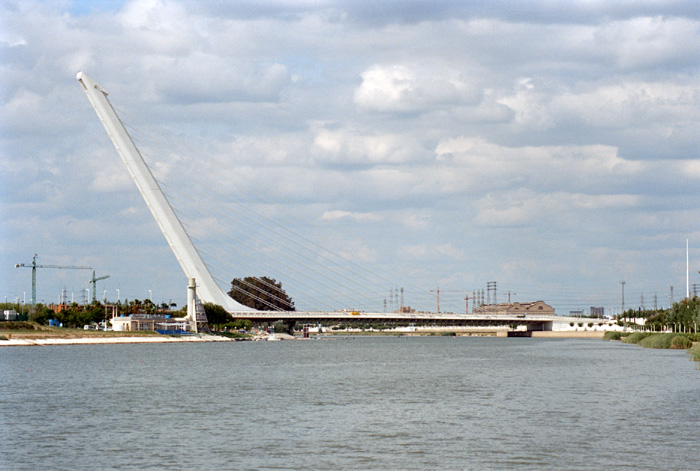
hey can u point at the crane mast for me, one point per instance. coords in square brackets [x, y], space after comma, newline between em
[94, 284]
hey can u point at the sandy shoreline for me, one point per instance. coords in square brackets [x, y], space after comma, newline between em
[92, 340]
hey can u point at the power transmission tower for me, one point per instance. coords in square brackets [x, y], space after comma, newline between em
[491, 287]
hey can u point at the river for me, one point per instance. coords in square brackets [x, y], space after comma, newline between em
[356, 403]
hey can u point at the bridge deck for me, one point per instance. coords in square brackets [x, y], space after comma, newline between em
[456, 319]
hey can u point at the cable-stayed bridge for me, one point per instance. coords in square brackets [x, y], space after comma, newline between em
[270, 234]
[340, 277]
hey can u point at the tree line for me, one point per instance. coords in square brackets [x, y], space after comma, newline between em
[682, 316]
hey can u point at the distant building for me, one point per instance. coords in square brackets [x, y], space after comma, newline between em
[578, 313]
[148, 322]
[195, 319]
[597, 311]
[535, 308]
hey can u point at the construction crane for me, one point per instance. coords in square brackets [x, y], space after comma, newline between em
[94, 284]
[444, 291]
[34, 266]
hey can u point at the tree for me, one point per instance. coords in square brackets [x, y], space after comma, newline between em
[216, 315]
[262, 293]
[286, 327]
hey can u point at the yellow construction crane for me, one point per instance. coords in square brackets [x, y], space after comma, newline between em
[34, 266]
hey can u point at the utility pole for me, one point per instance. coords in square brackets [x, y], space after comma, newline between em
[623, 297]
[655, 302]
[687, 271]
[438, 298]
[444, 291]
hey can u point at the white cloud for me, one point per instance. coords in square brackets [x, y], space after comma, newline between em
[692, 169]
[406, 88]
[525, 207]
[627, 104]
[451, 251]
[649, 41]
[539, 168]
[196, 81]
[337, 215]
[344, 146]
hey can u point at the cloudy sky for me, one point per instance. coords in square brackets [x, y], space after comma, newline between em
[553, 147]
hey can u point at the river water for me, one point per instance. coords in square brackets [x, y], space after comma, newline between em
[355, 403]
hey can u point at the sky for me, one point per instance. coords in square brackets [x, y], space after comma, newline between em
[552, 147]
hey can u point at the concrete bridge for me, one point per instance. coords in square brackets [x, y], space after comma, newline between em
[532, 322]
[520, 322]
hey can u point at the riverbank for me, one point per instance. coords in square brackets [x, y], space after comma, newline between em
[42, 336]
[21, 334]
[96, 340]
[677, 341]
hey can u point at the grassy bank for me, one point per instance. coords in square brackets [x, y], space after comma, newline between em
[665, 340]
[33, 331]
[695, 352]
[678, 341]
[635, 337]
